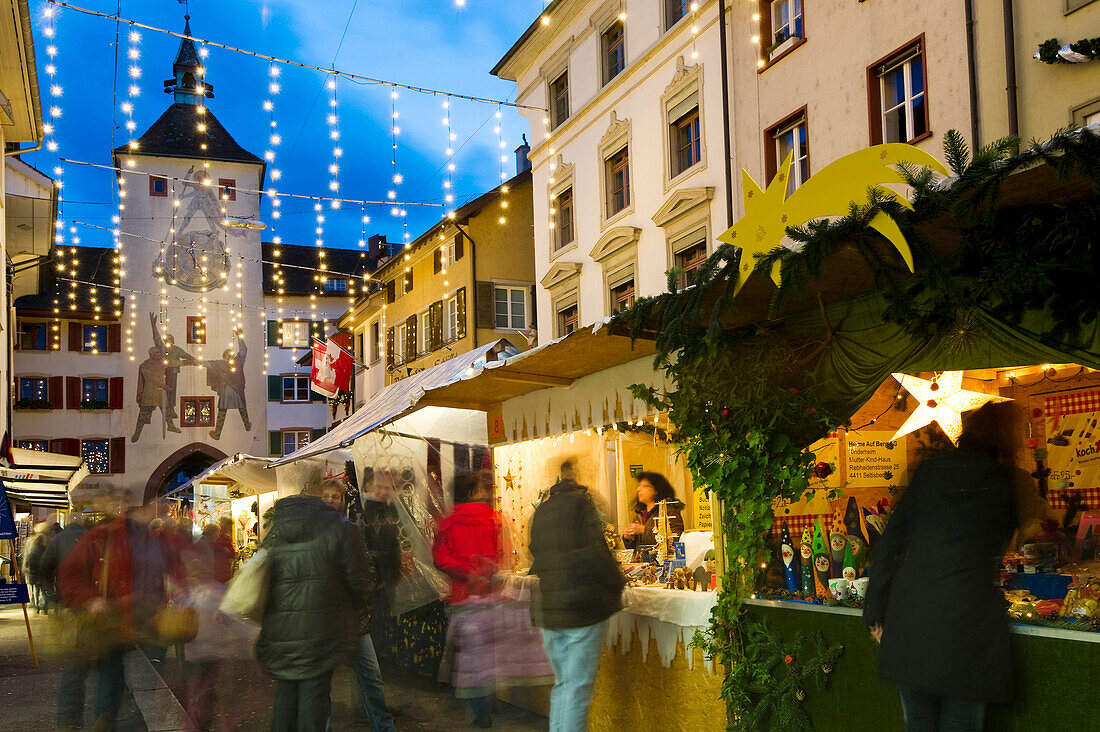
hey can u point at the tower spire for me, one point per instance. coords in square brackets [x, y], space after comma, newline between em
[189, 83]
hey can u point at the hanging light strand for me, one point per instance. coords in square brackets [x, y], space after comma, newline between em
[290, 62]
[49, 131]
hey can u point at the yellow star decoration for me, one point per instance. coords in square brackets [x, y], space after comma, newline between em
[941, 400]
[829, 192]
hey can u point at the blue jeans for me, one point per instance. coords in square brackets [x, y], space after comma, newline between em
[574, 655]
[371, 689]
[931, 713]
[110, 682]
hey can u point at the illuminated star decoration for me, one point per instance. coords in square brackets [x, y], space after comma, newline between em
[941, 400]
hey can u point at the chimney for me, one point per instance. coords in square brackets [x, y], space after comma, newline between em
[522, 162]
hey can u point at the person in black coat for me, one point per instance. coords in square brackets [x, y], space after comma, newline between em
[580, 586]
[319, 582]
[931, 602]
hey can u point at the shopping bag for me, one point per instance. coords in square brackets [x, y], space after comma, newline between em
[176, 624]
[246, 596]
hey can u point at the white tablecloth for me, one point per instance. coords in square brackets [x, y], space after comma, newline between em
[670, 617]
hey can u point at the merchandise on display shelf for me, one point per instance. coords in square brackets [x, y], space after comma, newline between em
[790, 564]
[822, 564]
[805, 550]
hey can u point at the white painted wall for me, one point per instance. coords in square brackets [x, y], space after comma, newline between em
[634, 96]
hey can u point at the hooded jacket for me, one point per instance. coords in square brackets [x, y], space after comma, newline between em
[320, 580]
[468, 549]
[944, 625]
[579, 582]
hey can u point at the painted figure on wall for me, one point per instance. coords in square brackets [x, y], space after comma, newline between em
[174, 359]
[226, 378]
[150, 393]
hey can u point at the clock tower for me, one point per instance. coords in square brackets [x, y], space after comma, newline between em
[193, 329]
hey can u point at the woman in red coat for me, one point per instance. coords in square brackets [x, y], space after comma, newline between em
[468, 549]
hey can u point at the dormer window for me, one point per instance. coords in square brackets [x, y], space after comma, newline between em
[189, 80]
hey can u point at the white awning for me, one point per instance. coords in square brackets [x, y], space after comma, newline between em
[398, 399]
[246, 471]
[42, 478]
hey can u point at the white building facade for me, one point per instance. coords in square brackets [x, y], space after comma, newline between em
[629, 178]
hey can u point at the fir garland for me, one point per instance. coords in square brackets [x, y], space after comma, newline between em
[1051, 51]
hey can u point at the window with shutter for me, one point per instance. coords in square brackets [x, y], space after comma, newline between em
[459, 248]
[72, 392]
[460, 296]
[274, 332]
[114, 338]
[76, 337]
[274, 388]
[275, 443]
[391, 292]
[117, 452]
[483, 304]
[114, 390]
[435, 318]
[410, 338]
[55, 391]
[408, 281]
[389, 347]
[437, 261]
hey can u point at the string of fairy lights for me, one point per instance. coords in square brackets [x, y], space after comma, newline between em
[126, 171]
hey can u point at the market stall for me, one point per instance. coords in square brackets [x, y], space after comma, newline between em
[570, 400]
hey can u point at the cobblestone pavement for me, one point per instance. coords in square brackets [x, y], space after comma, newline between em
[243, 692]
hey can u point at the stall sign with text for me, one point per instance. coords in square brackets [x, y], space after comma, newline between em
[874, 459]
[1072, 421]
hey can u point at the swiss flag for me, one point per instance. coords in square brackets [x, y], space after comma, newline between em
[332, 368]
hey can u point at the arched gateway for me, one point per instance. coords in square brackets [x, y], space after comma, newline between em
[179, 467]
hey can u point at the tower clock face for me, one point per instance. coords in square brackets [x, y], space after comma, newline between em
[196, 262]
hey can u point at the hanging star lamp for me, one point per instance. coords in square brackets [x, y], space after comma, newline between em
[941, 400]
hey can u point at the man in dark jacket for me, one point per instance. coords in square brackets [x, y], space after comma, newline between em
[931, 601]
[60, 546]
[580, 586]
[320, 579]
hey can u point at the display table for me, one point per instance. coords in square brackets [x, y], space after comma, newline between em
[630, 680]
[670, 617]
[1047, 661]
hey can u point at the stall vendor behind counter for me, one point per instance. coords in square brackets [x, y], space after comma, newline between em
[653, 488]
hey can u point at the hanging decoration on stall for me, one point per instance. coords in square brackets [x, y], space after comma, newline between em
[941, 400]
[789, 669]
[830, 192]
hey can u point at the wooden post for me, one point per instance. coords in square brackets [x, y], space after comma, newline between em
[26, 615]
[719, 535]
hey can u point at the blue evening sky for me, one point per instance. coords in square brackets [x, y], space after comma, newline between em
[428, 43]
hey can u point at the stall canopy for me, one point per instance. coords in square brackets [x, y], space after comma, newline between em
[399, 399]
[42, 478]
[558, 363]
[247, 471]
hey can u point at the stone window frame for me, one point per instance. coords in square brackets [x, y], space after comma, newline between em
[562, 282]
[550, 72]
[617, 137]
[601, 21]
[1077, 114]
[561, 178]
[686, 85]
[616, 252]
[1070, 6]
[685, 218]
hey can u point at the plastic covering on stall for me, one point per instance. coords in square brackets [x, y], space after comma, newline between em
[398, 399]
[404, 474]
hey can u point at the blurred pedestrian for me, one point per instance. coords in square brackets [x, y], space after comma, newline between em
[468, 550]
[319, 582]
[580, 587]
[33, 549]
[116, 569]
[225, 550]
[931, 602]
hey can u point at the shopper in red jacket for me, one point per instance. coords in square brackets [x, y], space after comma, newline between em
[468, 549]
[121, 569]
